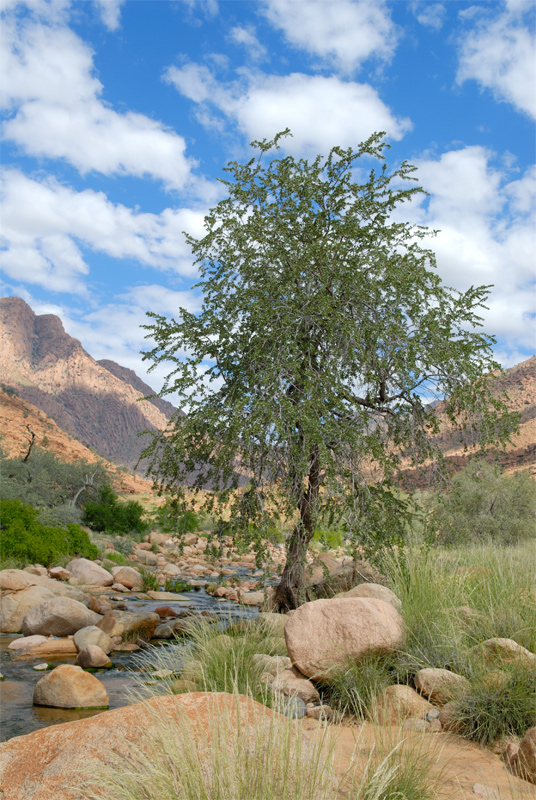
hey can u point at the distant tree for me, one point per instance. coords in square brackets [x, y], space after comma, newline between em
[108, 513]
[323, 335]
[481, 504]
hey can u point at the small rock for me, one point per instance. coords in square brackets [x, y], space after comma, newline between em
[432, 714]
[162, 673]
[440, 685]
[92, 657]
[177, 598]
[292, 683]
[398, 702]
[93, 635]
[293, 707]
[323, 713]
[506, 650]
[40, 667]
[526, 756]
[119, 587]
[59, 573]
[165, 611]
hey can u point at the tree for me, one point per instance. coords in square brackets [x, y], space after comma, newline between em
[323, 334]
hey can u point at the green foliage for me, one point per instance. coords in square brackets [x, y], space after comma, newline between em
[329, 538]
[323, 332]
[47, 482]
[481, 503]
[24, 538]
[500, 704]
[118, 559]
[172, 517]
[109, 514]
[176, 585]
[150, 580]
[353, 689]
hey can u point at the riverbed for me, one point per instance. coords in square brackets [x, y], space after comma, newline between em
[18, 714]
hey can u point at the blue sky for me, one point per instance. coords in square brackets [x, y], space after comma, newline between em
[119, 116]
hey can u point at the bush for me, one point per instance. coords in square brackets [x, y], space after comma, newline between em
[150, 580]
[173, 518]
[109, 514]
[26, 539]
[482, 504]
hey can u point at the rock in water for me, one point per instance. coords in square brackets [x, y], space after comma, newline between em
[325, 634]
[69, 686]
[92, 657]
[119, 623]
[93, 635]
[58, 616]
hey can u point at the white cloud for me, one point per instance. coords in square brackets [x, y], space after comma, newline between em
[487, 225]
[45, 224]
[245, 35]
[342, 32]
[110, 12]
[431, 15]
[53, 97]
[321, 112]
[498, 52]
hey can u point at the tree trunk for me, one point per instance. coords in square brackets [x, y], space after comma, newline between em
[292, 589]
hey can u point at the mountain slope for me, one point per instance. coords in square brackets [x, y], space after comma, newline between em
[86, 399]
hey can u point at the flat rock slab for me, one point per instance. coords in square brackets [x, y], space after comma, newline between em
[52, 763]
[49, 648]
[177, 598]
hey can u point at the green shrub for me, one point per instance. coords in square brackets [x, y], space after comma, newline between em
[117, 558]
[498, 704]
[24, 538]
[173, 518]
[109, 514]
[484, 504]
[329, 538]
[353, 690]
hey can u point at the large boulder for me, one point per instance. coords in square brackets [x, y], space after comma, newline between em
[58, 616]
[58, 761]
[377, 591]
[129, 577]
[325, 634]
[440, 685]
[21, 591]
[68, 686]
[121, 623]
[15, 606]
[89, 573]
[91, 635]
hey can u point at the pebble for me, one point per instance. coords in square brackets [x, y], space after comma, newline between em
[40, 667]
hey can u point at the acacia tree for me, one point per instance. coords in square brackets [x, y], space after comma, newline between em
[323, 334]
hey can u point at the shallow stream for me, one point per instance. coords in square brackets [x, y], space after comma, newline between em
[19, 716]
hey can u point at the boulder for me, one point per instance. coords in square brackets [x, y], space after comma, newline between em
[440, 685]
[58, 616]
[292, 683]
[506, 650]
[171, 569]
[121, 623]
[26, 643]
[89, 573]
[59, 573]
[397, 703]
[68, 686]
[146, 557]
[252, 598]
[50, 648]
[325, 634]
[377, 591]
[167, 630]
[53, 763]
[525, 760]
[120, 587]
[165, 611]
[129, 577]
[159, 538]
[15, 605]
[36, 569]
[91, 635]
[92, 657]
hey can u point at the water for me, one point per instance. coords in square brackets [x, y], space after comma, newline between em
[19, 716]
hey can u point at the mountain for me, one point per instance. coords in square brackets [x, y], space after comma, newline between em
[19, 417]
[519, 383]
[96, 402]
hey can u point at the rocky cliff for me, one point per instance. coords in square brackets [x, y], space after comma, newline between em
[96, 402]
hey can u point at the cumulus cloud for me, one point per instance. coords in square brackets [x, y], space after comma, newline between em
[246, 36]
[46, 225]
[320, 111]
[53, 105]
[498, 52]
[110, 12]
[431, 15]
[343, 33]
[487, 225]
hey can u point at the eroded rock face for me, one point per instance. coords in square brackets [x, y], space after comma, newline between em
[88, 573]
[68, 686]
[95, 636]
[52, 763]
[440, 685]
[119, 623]
[377, 591]
[325, 634]
[58, 616]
